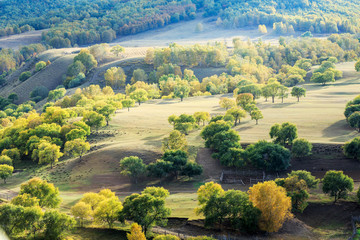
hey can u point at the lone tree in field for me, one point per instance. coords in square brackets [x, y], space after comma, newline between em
[128, 103]
[283, 93]
[298, 92]
[354, 120]
[132, 167]
[5, 171]
[275, 210]
[116, 50]
[301, 148]
[256, 115]
[337, 184]
[352, 148]
[139, 95]
[76, 147]
[283, 134]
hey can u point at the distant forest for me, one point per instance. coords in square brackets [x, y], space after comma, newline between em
[80, 22]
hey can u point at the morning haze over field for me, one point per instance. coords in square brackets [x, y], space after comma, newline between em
[179, 119]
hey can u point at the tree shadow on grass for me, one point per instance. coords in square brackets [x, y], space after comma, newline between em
[154, 140]
[340, 131]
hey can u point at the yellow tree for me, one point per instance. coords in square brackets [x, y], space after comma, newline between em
[274, 204]
[81, 211]
[115, 77]
[205, 192]
[48, 153]
[136, 233]
[108, 211]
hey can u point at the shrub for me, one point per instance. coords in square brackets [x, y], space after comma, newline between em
[24, 76]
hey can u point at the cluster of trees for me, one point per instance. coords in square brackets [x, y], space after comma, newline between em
[33, 213]
[224, 141]
[189, 56]
[11, 59]
[326, 72]
[83, 63]
[186, 122]
[247, 212]
[313, 16]
[146, 209]
[352, 113]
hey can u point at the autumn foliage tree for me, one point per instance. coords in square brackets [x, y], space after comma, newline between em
[275, 210]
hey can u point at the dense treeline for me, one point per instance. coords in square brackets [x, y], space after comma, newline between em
[87, 22]
[285, 17]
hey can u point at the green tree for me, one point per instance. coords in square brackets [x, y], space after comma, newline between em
[210, 130]
[76, 147]
[191, 169]
[107, 111]
[181, 91]
[86, 59]
[128, 103]
[24, 76]
[244, 99]
[175, 141]
[146, 210]
[354, 120]
[256, 115]
[298, 92]
[76, 134]
[301, 148]
[6, 160]
[25, 200]
[75, 68]
[337, 184]
[271, 90]
[323, 78]
[56, 94]
[139, 95]
[108, 211]
[237, 113]
[283, 93]
[13, 97]
[201, 116]
[283, 134]
[5, 171]
[139, 75]
[205, 192]
[93, 119]
[296, 189]
[178, 158]
[352, 148]
[48, 153]
[277, 158]
[47, 193]
[116, 50]
[133, 167]
[159, 169]
[56, 223]
[310, 180]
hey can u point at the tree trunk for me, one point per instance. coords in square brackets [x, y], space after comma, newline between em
[257, 121]
[273, 99]
[51, 165]
[282, 100]
[107, 123]
[298, 99]
[128, 109]
[139, 103]
[4, 180]
[181, 98]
